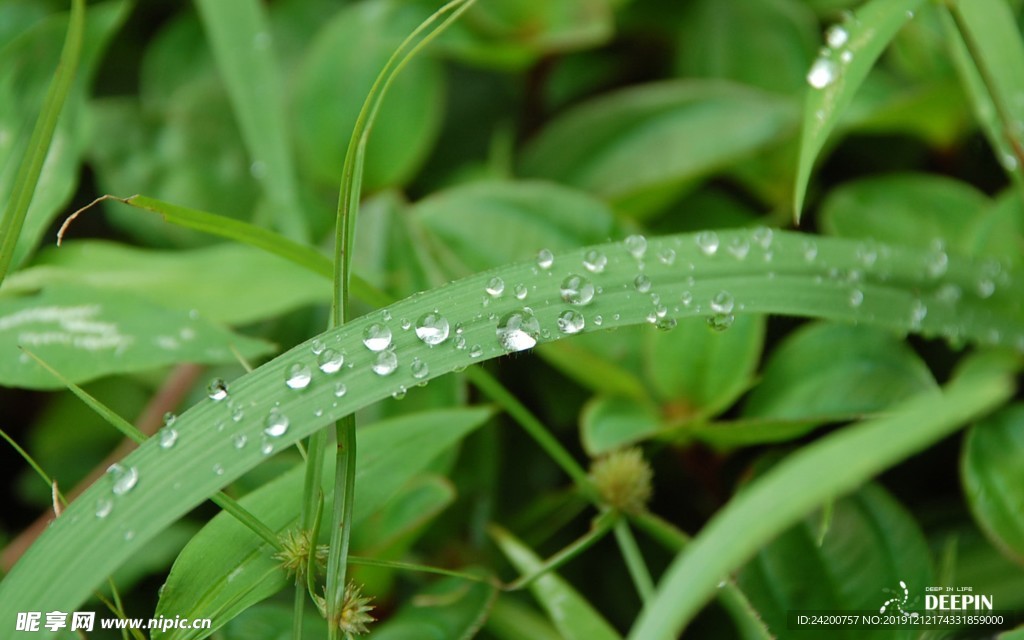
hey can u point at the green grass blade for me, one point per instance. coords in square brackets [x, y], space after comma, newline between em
[837, 463]
[239, 35]
[39, 144]
[835, 77]
[781, 274]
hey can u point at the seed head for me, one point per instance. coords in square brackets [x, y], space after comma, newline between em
[623, 478]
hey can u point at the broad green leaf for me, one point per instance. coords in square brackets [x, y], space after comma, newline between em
[450, 609]
[980, 565]
[273, 621]
[833, 371]
[992, 470]
[918, 210]
[184, 279]
[762, 43]
[57, 572]
[608, 423]
[239, 35]
[513, 620]
[999, 230]
[226, 568]
[836, 76]
[569, 612]
[87, 333]
[698, 372]
[485, 224]
[837, 463]
[748, 431]
[656, 138]
[342, 62]
[872, 544]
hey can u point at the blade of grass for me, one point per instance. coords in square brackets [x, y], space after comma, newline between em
[39, 144]
[70, 558]
[838, 463]
[837, 76]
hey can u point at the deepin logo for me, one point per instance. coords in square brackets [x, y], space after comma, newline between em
[899, 602]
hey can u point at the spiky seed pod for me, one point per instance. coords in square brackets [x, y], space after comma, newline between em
[623, 479]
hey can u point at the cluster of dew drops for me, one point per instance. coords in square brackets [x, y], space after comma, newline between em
[835, 55]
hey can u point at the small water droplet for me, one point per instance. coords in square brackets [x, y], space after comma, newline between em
[385, 364]
[266, 447]
[330, 361]
[340, 390]
[636, 245]
[642, 283]
[985, 288]
[377, 336]
[577, 290]
[237, 413]
[419, 369]
[667, 257]
[518, 330]
[686, 298]
[399, 393]
[432, 328]
[918, 312]
[217, 390]
[570, 322]
[823, 73]
[169, 419]
[722, 302]
[405, 324]
[949, 294]
[707, 242]
[276, 424]
[239, 440]
[739, 248]
[721, 321]
[495, 287]
[846, 57]
[317, 346]
[598, 320]
[545, 259]
[218, 470]
[594, 261]
[125, 478]
[666, 324]
[103, 507]
[810, 250]
[298, 375]
[856, 298]
[476, 351]
[1009, 161]
[836, 36]
[520, 291]
[763, 236]
[129, 535]
[168, 437]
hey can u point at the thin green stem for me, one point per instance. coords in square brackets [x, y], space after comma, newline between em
[638, 570]
[601, 525]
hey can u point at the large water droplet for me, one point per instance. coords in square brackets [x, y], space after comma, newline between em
[722, 302]
[385, 364]
[476, 351]
[276, 424]
[837, 36]
[721, 321]
[518, 330]
[594, 261]
[377, 337]
[642, 283]
[330, 361]
[636, 245]
[103, 507]
[707, 242]
[570, 322]
[545, 259]
[577, 290]
[823, 73]
[495, 287]
[340, 390]
[125, 478]
[298, 375]
[217, 390]
[419, 369]
[167, 437]
[432, 328]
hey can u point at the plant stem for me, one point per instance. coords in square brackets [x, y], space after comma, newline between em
[634, 561]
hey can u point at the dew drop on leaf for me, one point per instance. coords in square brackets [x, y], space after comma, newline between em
[169, 419]
[545, 259]
[167, 436]
[495, 287]
[985, 288]
[594, 261]
[266, 448]
[125, 478]
[298, 375]
[317, 347]
[218, 470]
[399, 393]
[837, 36]
[476, 351]
[239, 440]
[570, 322]
[707, 242]
[103, 507]
[577, 290]
[340, 390]
[721, 321]
[738, 248]
[432, 328]
[667, 257]
[330, 361]
[636, 245]
[419, 369]
[276, 424]
[518, 330]
[520, 291]
[377, 337]
[385, 363]
[217, 390]
[642, 283]
[722, 302]
[856, 298]
[822, 73]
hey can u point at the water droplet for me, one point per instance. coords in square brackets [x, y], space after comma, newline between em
[763, 236]
[836, 36]
[918, 311]
[239, 440]
[169, 419]
[949, 293]
[520, 291]
[810, 250]
[340, 390]
[722, 302]
[217, 390]
[707, 242]
[867, 256]
[124, 478]
[594, 261]
[686, 298]
[985, 288]
[577, 290]
[667, 257]
[237, 413]
[598, 320]
[432, 328]
[721, 321]
[129, 535]
[739, 248]
[266, 448]
[276, 424]
[218, 470]
[823, 73]
[642, 283]
[103, 507]
[636, 245]
[545, 259]
[476, 351]
[666, 324]
[298, 375]
[518, 330]
[570, 322]
[495, 287]
[938, 262]
[1009, 161]
[399, 393]
[385, 364]
[419, 369]
[330, 361]
[856, 298]
[377, 337]
[317, 346]
[168, 436]
[846, 57]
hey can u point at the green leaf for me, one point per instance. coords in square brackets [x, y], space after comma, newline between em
[992, 470]
[832, 371]
[226, 568]
[450, 609]
[917, 210]
[999, 231]
[239, 34]
[87, 333]
[609, 423]
[656, 138]
[513, 620]
[485, 224]
[837, 463]
[834, 80]
[57, 572]
[273, 621]
[341, 65]
[871, 545]
[570, 613]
